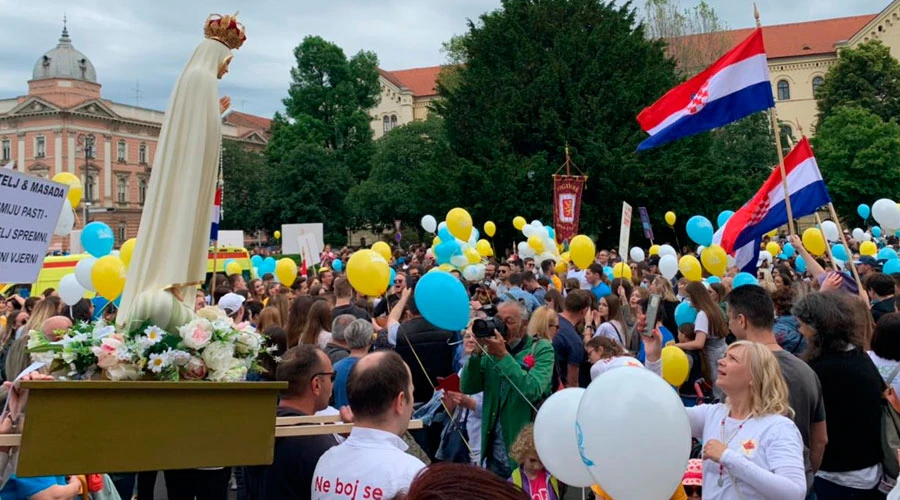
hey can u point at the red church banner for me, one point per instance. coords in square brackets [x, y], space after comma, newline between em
[567, 190]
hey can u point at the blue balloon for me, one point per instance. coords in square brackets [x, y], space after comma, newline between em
[700, 229]
[267, 267]
[393, 275]
[442, 301]
[338, 266]
[723, 217]
[256, 261]
[876, 232]
[713, 279]
[97, 239]
[863, 210]
[550, 232]
[744, 279]
[444, 235]
[788, 250]
[891, 267]
[685, 313]
[800, 265]
[609, 272]
[227, 261]
[887, 253]
[839, 252]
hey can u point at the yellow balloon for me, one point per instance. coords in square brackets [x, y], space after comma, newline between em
[472, 255]
[484, 248]
[234, 268]
[490, 229]
[368, 273]
[715, 260]
[519, 222]
[868, 248]
[675, 365]
[561, 267]
[127, 250]
[773, 248]
[277, 235]
[654, 250]
[622, 270]
[108, 276]
[76, 189]
[690, 268]
[435, 242]
[670, 218]
[772, 233]
[446, 268]
[582, 250]
[535, 242]
[285, 270]
[383, 249]
[459, 222]
[814, 241]
[565, 257]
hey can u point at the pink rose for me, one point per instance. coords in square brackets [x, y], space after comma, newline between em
[195, 369]
[196, 334]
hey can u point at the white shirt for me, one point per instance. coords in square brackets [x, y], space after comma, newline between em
[370, 464]
[885, 367]
[764, 456]
[580, 276]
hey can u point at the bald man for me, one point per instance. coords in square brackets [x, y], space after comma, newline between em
[53, 324]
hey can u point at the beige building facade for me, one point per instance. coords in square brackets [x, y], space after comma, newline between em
[405, 96]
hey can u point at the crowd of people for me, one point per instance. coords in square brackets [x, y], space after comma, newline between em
[768, 363]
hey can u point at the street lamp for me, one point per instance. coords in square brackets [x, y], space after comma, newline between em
[86, 144]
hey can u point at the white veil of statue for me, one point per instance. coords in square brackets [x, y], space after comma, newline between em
[173, 238]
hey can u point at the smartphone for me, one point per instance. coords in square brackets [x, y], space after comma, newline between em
[652, 313]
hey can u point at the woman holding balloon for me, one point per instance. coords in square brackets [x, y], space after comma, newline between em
[710, 328]
[752, 449]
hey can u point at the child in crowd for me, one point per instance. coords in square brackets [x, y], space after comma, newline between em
[693, 479]
[531, 476]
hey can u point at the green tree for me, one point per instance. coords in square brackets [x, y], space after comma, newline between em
[414, 173]
[859, 156]
[867, 77]
[694, 36]
[321, 147]
[245, 175]
[538, 75]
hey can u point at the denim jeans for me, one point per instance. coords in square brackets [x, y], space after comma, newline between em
[826, 490]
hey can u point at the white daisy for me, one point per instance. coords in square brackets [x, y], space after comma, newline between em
[157, 362]
[153, 334]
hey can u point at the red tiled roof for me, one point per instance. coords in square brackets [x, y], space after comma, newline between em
[245, 120]
[799, 39]
[421, 81]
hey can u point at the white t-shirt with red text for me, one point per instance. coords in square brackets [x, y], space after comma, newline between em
[370, 465]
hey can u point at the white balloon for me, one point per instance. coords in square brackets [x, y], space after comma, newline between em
[545, 256]
[700, 250]
[83, 273]
[730, 260]
[610, 450]
[858, 234]
[459, 261]
[442, 225]
[765, 256]
[481, 270]
[537, 224]
[69, 290]
[867, 237]
[637, 254]
[523, 248]
[667, 250]
[554, 438]
[668, 266]
[470, 273]
[429, 223]
[886, 213]
[528, 231]
[831, 231]
[429, 254]
[66, 220]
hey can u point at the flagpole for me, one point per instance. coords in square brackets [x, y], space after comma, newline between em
[773, 116]
[846, 246]
[827, 247]
[212, 278]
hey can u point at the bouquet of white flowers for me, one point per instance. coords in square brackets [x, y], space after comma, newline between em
[210, 347]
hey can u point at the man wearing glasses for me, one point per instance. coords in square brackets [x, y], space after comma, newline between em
[503, 274]
[310, 378]
[399, 285]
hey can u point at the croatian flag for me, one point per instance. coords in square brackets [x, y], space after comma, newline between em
[735, 86]
[741, 235]
[217, 214]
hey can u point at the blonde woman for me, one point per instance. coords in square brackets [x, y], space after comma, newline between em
[752, 450]
[544, 323]
[663, 287]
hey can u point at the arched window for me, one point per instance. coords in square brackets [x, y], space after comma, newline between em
[122, 189]
[393, 121]
[387, 124]
[89, 188]
[121, 236]
[142, 190]
[787, 131]
[142, 154]
[817, 82]
[784, 90]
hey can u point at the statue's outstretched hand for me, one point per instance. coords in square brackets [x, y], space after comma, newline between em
[224, 104]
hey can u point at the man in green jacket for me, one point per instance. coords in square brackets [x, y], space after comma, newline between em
[514, 373]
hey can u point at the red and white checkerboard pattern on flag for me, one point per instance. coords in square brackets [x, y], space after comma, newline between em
[699, 100]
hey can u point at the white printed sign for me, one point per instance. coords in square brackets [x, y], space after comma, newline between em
[231, 239]
[290, 245]
[29, 209]
[625, 231]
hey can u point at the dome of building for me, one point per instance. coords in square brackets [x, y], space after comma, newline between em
[64, 61]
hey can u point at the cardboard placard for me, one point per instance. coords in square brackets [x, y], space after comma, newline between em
[625, 230]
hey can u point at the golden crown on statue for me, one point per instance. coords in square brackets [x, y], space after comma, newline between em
[225, 29]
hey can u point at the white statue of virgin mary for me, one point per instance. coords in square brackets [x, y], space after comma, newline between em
[170, 256]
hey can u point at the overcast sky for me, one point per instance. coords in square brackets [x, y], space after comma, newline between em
[147, 42]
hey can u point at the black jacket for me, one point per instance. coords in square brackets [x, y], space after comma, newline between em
[433, 349]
